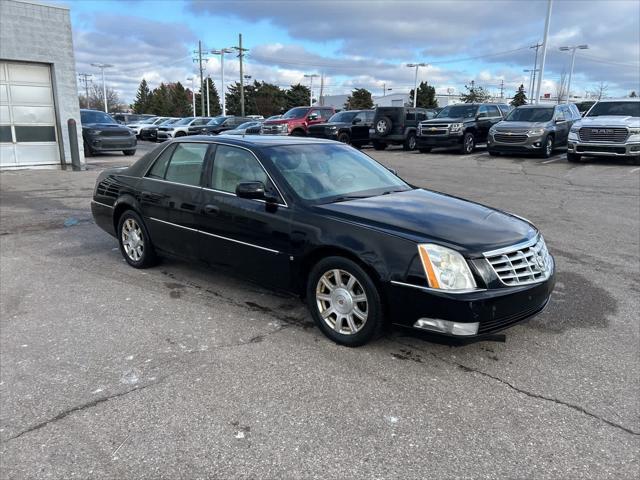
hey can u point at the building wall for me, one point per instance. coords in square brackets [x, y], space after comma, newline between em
[35, 32]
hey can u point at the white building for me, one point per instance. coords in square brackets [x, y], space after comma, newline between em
[38, 86]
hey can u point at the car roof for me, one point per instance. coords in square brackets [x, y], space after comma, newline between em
[607, 100]
[257, 140]
[541, 106]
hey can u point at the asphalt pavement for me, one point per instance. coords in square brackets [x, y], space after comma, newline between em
[180, 371]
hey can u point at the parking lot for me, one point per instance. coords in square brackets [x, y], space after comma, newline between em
[183, 372]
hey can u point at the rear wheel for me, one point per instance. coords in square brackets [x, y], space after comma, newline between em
[410, 142]
[468, 143]
[344, 137]
[574, 157]
[379, 146]
[344, 302]
[128, 153]
[134, 240]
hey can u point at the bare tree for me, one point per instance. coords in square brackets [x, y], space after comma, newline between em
[599, 91]
[96, 102]
[561, 87]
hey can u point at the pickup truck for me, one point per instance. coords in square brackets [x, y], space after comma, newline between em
[297, 120]
[611, 128]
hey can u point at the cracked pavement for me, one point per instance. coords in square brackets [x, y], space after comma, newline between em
[183, 372]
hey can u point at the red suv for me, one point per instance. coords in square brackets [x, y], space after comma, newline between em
[297, 120]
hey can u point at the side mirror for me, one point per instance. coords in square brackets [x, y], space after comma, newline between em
[560, 120]
[393, 171]
[254, 190]
[313, 116]
[356, 121]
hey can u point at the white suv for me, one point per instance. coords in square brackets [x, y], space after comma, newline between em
[180, 128]
[610, 128]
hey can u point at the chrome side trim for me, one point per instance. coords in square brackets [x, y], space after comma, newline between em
[173, 183]
[439, 290]
[214, 235]
[231, 194]
[102, 204]
[512, 248]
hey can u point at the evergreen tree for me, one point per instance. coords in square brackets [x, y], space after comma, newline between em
[297, 96]
[268, 99]
[160, 102]
[143, 98]
[233, 100]
[633, 94]
[426, 96]
[519, 98]
[360, 99]
[214, 99]
[180, 105]
[475, 94]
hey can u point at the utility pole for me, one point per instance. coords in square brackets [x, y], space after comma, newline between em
[84, 78]
[208, 103]
[221, 52]
[385, 89]
[415, 82]
[310, 77]
[532, 83]
[573, 61]
[501, 88]
[201, 78]
[321, 89]
[240, 55]
[545, 43]
[102, 66]
[193, 94]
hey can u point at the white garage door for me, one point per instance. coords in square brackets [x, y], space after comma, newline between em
[27, 117]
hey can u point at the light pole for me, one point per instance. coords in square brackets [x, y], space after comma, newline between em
[573, 61]
[102, 66]
[221, 52]
[208, 104]
[385, 89]
[545, 42]
[310, 77]
[415, 82]
[193, 94]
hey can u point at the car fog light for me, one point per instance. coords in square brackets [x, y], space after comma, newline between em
[445, 326]
[635, 148]
[536, 144]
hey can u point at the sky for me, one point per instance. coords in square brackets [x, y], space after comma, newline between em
[360, 44]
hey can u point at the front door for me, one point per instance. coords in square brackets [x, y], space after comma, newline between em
[250, 236]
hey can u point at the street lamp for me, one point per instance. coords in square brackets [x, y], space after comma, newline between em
[415, 82]
[573, 61]
[310, 77]
[102, 66]
[221, 52]
[193, 93]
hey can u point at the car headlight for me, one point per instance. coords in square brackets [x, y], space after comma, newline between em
[445, 269]
[333, 128]
[492, 130]
[634, 131]
[455, 127]
[575, 128]
[283, 127]
[536, 131]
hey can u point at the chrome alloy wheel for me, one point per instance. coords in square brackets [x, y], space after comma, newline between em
[342, 302]
[132, 239]
[468, 144]
[549, 146]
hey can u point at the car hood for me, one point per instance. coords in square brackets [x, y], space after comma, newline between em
[445, 120]
[609, 121]
[235, 131]
[425, 216]
[519, 126]
[330, 124]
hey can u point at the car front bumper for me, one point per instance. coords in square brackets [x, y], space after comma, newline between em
[531, 144]
[112, 144]
[163, 135]
[483, 311]
[604, 149]
[435, 141]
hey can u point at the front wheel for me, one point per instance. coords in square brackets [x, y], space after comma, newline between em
[88, 152]
[547, 147]
[128, 153]
[410, 142]
[344, 302]
[468, 143]
[344, 138]
[574, 157]
[134, 240]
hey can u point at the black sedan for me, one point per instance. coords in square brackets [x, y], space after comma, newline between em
[329, 223]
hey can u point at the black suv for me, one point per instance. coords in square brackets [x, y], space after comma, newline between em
[348, 126]
[463, 126]
[397, 126]
[101, 133]
[218, 125]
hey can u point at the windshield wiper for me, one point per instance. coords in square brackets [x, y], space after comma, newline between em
[344, 198]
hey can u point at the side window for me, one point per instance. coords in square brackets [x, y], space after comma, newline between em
[233, 166]
[326, 114]
[493, 111]
[411, 115]
[160, 166]
[483, 112]
[186, 163]
[363, 118]
[369, 116]
[559, 114]
[315, 112]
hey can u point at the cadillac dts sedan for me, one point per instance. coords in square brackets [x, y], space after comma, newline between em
[327, 222]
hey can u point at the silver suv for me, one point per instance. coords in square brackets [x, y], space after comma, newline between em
[610, 128]
[537, 129]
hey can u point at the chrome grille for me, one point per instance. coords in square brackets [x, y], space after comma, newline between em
[510, 138]
[521, 264]
[270, 129]
[434, 129]
[593, 134]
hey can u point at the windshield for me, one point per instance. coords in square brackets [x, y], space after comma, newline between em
[530, 115]
[217, 120]
[183, 121]
[457, 111]
[298, 112]
[95, 117]
[323, 173]
[169, 121]
[625, 109]
[346, 117]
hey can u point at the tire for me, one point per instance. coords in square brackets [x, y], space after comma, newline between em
[87, 150]
[344, 137]
[547, 147]
[379, 146]
[574, 157]
[425, 150]
[349, 323]
[410, 143]
[297, 133]
[468, 144]
[383, 126]
[493, 153]
[140, 254]
[128, 153]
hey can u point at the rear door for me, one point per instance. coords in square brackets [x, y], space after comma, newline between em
[561, 117]
[360, 129]
[247, 235]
